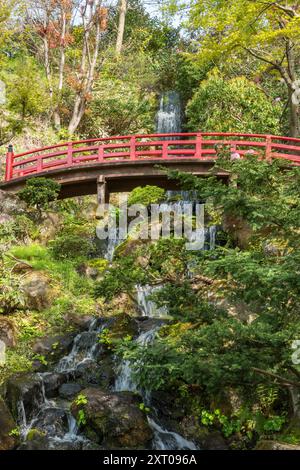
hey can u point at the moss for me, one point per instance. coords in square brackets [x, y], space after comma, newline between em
[34, 434]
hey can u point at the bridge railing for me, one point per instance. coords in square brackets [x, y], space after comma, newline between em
[201, 145]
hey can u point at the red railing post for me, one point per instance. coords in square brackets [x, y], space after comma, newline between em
[165, 147]
[100, 153]
[268, 147]
[70, 154]
[198, 149]
[132, 148]
[39, 166]
[9, 163]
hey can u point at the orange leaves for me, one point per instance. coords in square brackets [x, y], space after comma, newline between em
[103, 18]
[53, 34]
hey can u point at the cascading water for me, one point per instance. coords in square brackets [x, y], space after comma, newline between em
[53, 416]
[169, 114]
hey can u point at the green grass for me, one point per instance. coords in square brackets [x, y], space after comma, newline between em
[62, 271]
[74, 295]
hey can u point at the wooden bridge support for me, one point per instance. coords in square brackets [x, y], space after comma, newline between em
[102, 190]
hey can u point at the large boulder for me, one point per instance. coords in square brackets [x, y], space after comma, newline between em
[52, 383]
[35, 440]
[49, 226]
[113, 419]
[24, 392]
[10, 204]
[117, 328]
[69, 390]
[7, 331]
[38, 291]
[54, 347]
[7, 424]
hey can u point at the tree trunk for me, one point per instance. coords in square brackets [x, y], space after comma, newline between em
[121, 28]
[295, 401]
[78, 112]
[62, 61]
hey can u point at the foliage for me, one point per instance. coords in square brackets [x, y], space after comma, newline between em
[235, 105]
[146, 195]
[80, 402]
[71, 246]
[120, 108]
[26, 88]
[205, 345]
[39, 192]
[11, 298]
[225, 30]
[19, 229]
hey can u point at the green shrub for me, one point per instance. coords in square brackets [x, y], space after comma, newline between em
[69, 246]
[146, 195]
[235, 105]
[39, 192]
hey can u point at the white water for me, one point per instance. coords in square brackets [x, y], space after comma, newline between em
[169, 114]
[85, 348]
[167, 440]
[147, 306]
[163, 439]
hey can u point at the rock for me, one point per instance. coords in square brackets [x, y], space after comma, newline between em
[69, 390]
[274, 445]
[89, 373]
[52, 422]
[35, 440]
[10, 204]
[114, 419]
[25, 389]
[7, 425]
[52, 383]
[120, 326]
[54, 347]
[7, 331]
[49, 227]
[37, 290]
[214, 441]
[239, 230]
[80, 322]
[88, 271]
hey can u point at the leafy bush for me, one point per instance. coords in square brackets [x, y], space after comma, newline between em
[146, 195]
[11, 298]
[39, 192]
[235, 105]
[69, 246]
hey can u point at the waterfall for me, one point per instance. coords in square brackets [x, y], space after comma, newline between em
[169, 114]
[163, 439]
[147, 306]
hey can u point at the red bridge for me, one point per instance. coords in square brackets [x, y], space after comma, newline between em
[122, 163]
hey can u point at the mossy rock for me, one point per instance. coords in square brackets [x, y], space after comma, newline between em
[8, 439]
[35, 440]
[113, 420]
[118, 328]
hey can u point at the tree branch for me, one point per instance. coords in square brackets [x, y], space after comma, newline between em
[282, 380]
